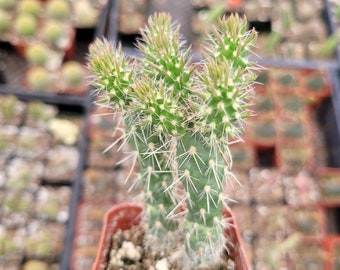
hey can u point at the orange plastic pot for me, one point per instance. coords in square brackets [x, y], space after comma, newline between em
[234, 3]
[124, 216]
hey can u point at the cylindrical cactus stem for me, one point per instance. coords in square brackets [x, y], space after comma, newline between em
[156, 178]
[204, 224]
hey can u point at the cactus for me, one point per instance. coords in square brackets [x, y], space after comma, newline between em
[25, 25]
[59, 10]
[32, 7]
[7, 4]
[85, 15]
[37, 54]
[180, 118]
[55, 33]
[73, 74]
[5, 23]
[40, 79]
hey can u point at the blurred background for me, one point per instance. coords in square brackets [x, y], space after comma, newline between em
[56, 181]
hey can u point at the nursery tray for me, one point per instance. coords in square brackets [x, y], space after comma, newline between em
[14, 70]
[109, 28]
[46, 182]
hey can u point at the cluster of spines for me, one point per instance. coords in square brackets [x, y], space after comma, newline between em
[226, 78]
[179, 120]
[112, 73]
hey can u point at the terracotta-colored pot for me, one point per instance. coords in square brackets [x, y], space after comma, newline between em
[123, 216]
[234, 3]
[332, 245]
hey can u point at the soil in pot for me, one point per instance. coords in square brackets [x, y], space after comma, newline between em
[127, 253]
[122, 239]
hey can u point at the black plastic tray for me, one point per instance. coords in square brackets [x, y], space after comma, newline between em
[332, 121]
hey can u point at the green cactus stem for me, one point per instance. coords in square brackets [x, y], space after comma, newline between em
[180, 117]
[204, 224]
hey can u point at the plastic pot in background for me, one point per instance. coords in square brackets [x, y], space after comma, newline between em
[329, 183]
[125, 215]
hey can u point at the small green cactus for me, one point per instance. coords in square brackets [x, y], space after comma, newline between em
[85, 15]
[5, 23]
[54, 33]
[180, 117]
[59, 10]
[25, 25]
[32, 7]
[40, 79]
[72, 73]
[8, 4]
[37, 54]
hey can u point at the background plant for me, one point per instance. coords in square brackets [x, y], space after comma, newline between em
[180, 117]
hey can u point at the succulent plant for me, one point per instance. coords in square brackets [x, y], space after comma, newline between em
[180, 118]
[40, 79]
[54, 32]
[5, 22]
[59, 10]
[38, 114]
[25, 25]
[7, 4]
[33, 7]
[64, 130]
[85, 14]
[37, 54]
[72, 73]
[11, 110]
[38, 243]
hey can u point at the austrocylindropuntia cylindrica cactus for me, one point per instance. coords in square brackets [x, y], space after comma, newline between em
[180, 117]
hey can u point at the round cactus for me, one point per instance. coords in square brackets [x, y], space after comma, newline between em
[40, 79]
[58, 10]
[72, 73]
[5, 22]
[85, 14]
[53, 31]
[33, 7]
[25, 25]
[37, 54]
[7, 4]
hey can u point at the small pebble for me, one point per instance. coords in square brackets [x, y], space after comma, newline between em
[129, 251]
[162, 264]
